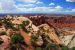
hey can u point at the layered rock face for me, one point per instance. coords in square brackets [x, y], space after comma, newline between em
[28, 33]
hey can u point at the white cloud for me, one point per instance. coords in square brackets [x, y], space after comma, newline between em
[1, 10]
[25, 5]
[0, 6]
[73, 10]
[58, 7]
[70, 0]
[9, 6]
[69, 11]
[51, 4]
[40, 10]
[29, 5]
[28, 1]
[39, 2]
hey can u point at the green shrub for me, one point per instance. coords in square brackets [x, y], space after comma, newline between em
[52, 46]
[73, 48]
[26, 22]
[21, 26]
[64, 48]
[33, 39]
[38, 48]
[17, 38]
[2, 33]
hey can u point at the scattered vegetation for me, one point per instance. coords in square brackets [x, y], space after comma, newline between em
[3, 33]
[33, 39]
[17, 38]
[17, 41]
[25, 23]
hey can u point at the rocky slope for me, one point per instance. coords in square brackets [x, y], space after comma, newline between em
[21, 33]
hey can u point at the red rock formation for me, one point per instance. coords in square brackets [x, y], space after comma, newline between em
[61, 22]
[26, 39]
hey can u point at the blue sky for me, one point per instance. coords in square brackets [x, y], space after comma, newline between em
[37, 6]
